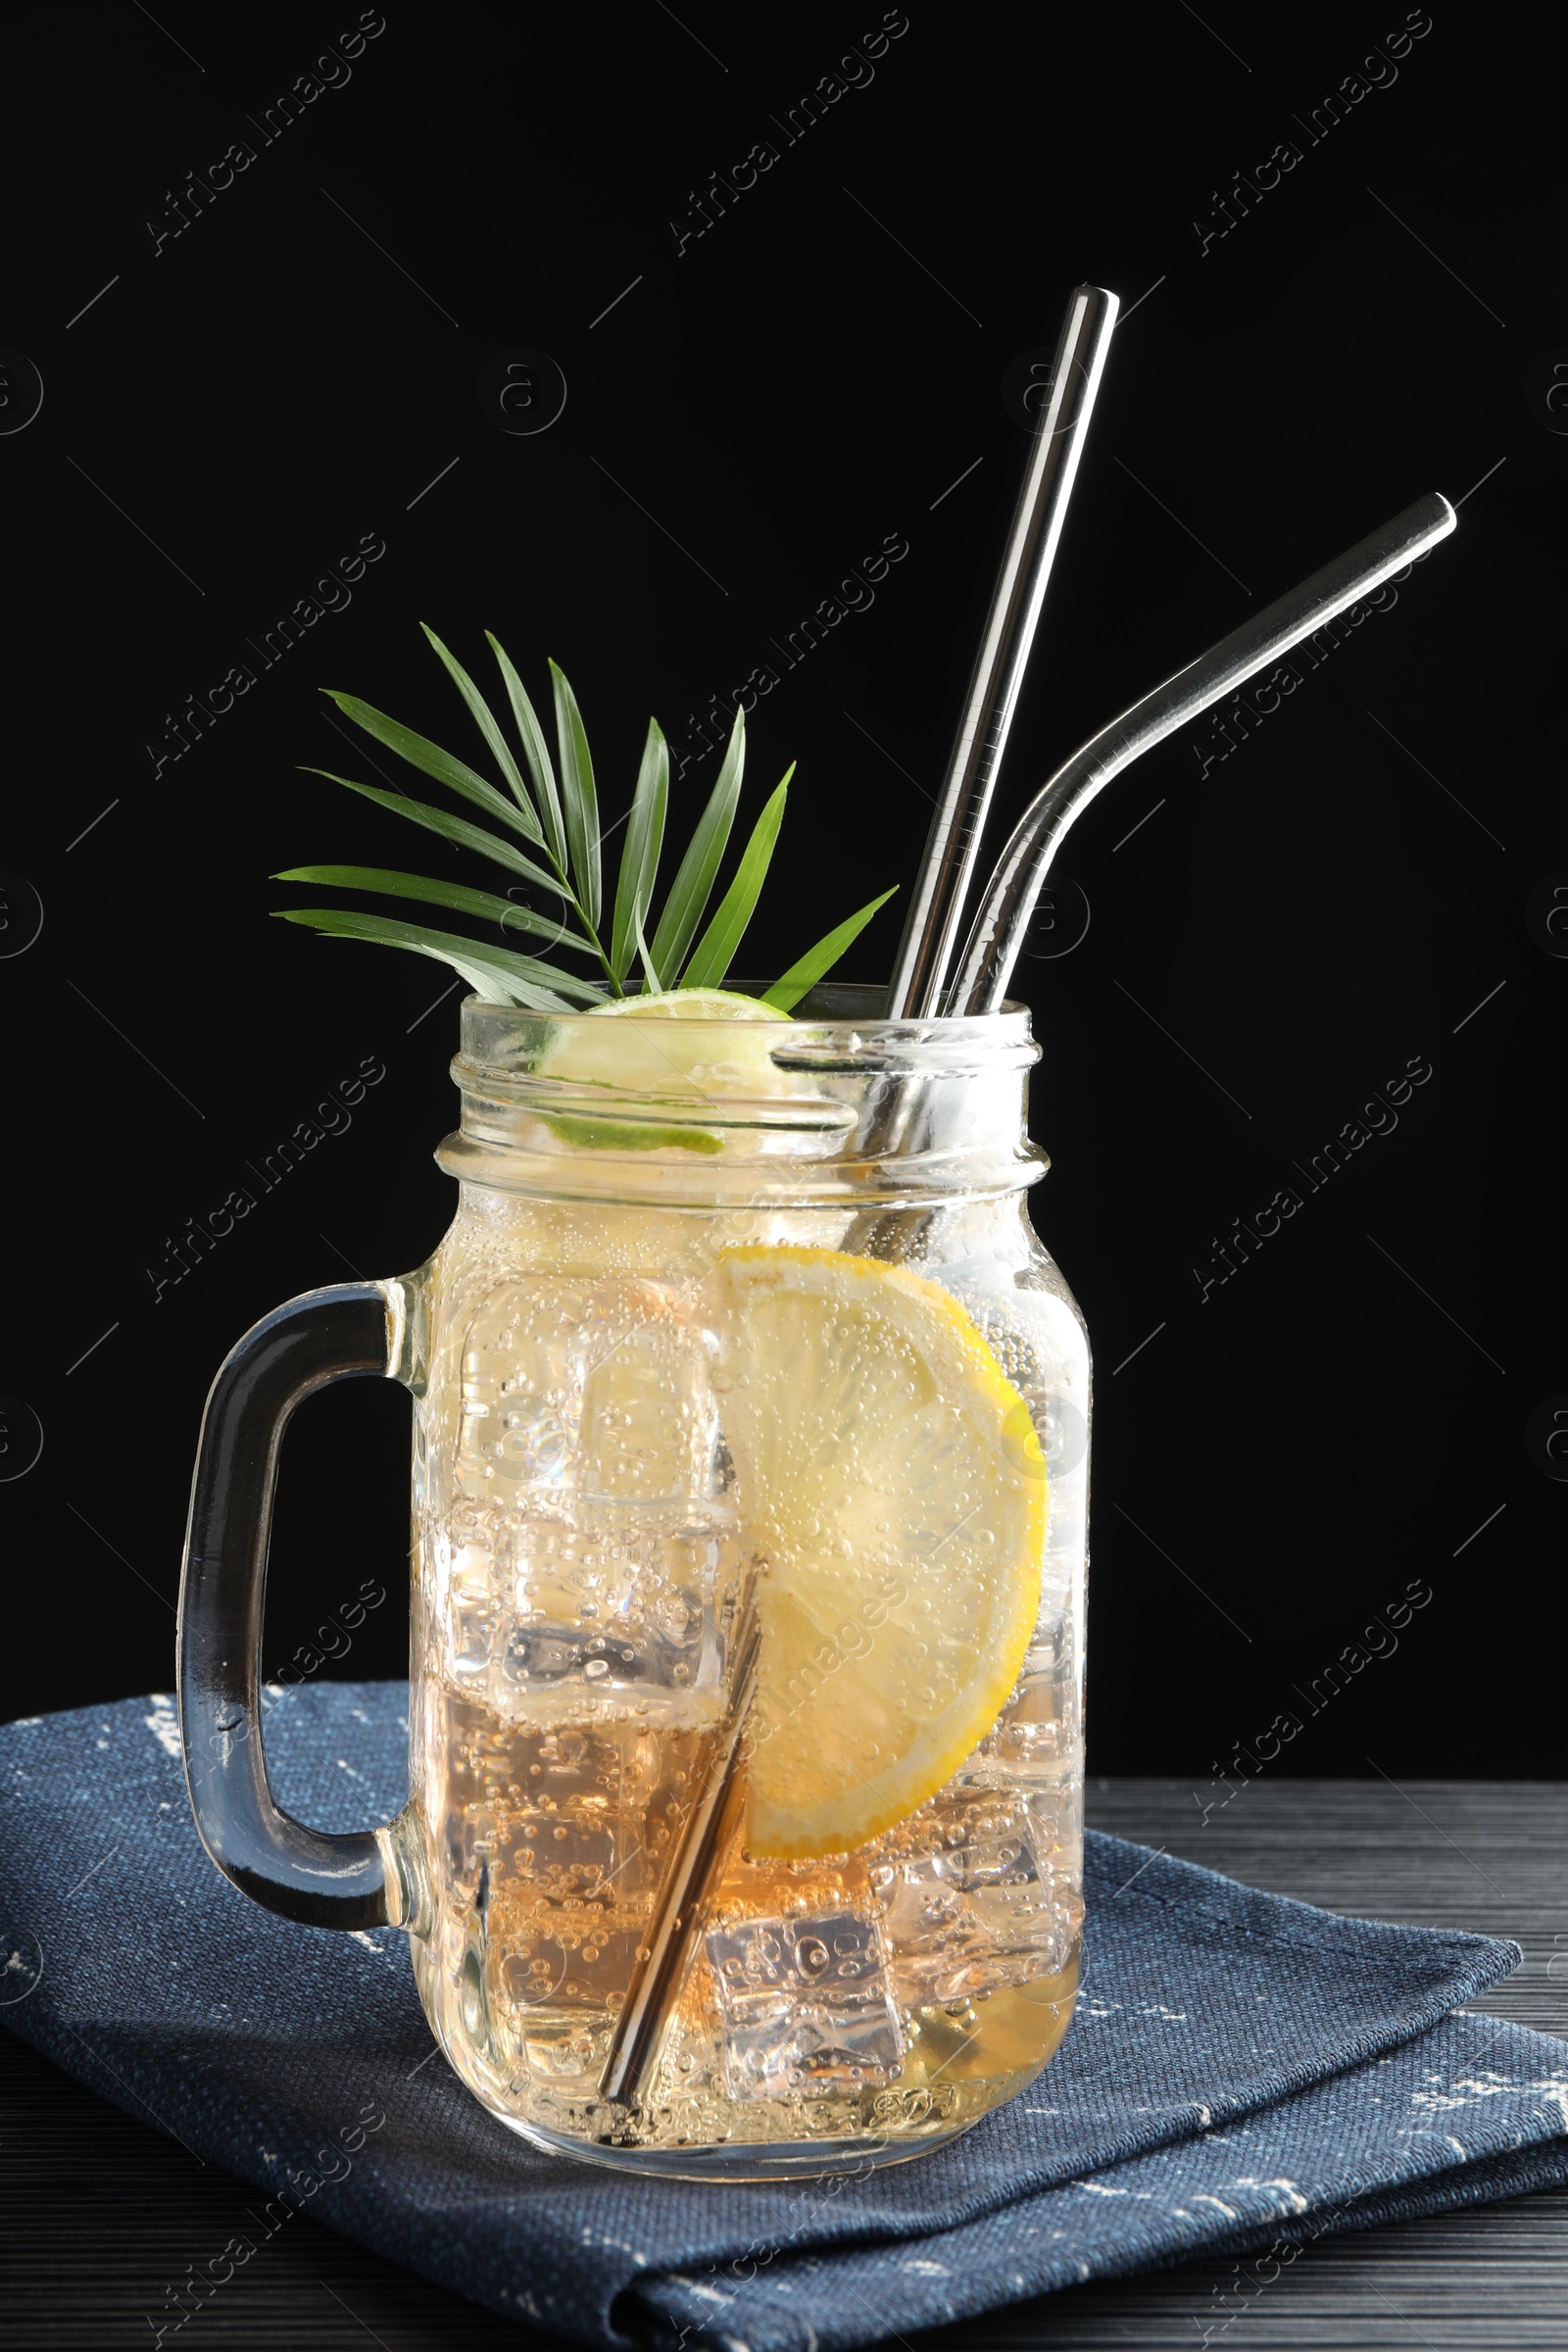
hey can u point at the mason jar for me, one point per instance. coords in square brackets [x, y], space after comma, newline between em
[582, 1534]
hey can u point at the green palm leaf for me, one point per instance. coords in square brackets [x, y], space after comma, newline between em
[455, 895]
[561, 820]
[432, 761]
[714, 952]
[497, 974]
[500, 749]
[653, 986]
[694, 882]
[536, 752]
[639, 857]
[578, 793]
[450, 828]
[787, 992]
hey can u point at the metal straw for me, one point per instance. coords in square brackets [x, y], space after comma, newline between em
[999, 929]
[637, 2037]
[930, 932]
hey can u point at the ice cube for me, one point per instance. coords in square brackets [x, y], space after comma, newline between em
[542, 1652]
[564, 2052]
[1005, 1859]
[529, 1443]
[647, 1417]
[557, 1970]
[806, 2006]
[597, 1386]
[631, 1609]
[975, 1916]
[465, 1563]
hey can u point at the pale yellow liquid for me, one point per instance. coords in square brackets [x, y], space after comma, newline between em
[580, 1545]
[555, 1837]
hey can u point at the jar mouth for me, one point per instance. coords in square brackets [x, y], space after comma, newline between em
[834, 1024]
[835, 1103]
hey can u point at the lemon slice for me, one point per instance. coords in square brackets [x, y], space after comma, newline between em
[670, 1045]
[890, 1480]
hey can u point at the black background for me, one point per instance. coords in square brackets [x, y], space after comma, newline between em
[823, 368]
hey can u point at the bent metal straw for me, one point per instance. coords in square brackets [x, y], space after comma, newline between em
[1010, 895]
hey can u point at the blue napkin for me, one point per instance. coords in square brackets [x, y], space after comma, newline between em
[1242, 2070]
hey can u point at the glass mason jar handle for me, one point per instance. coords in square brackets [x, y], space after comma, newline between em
[350, 1329]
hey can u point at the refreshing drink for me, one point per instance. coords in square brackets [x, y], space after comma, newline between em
[635, 1414]
[750, 1488]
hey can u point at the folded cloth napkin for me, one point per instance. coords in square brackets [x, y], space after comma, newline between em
[1242, 2070]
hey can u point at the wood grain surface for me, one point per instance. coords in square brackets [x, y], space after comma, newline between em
[100, 2213]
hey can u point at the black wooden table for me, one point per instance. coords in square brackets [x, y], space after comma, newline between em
[100, 2213]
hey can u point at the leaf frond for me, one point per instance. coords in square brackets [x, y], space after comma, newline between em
[694, 880]
[788, 989]
[450, 828]
[500, 749]
[520, 979]
[714, 952]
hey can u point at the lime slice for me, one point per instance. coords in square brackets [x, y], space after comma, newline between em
[688, 1005]
[890, 1477]
[671, 1045]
